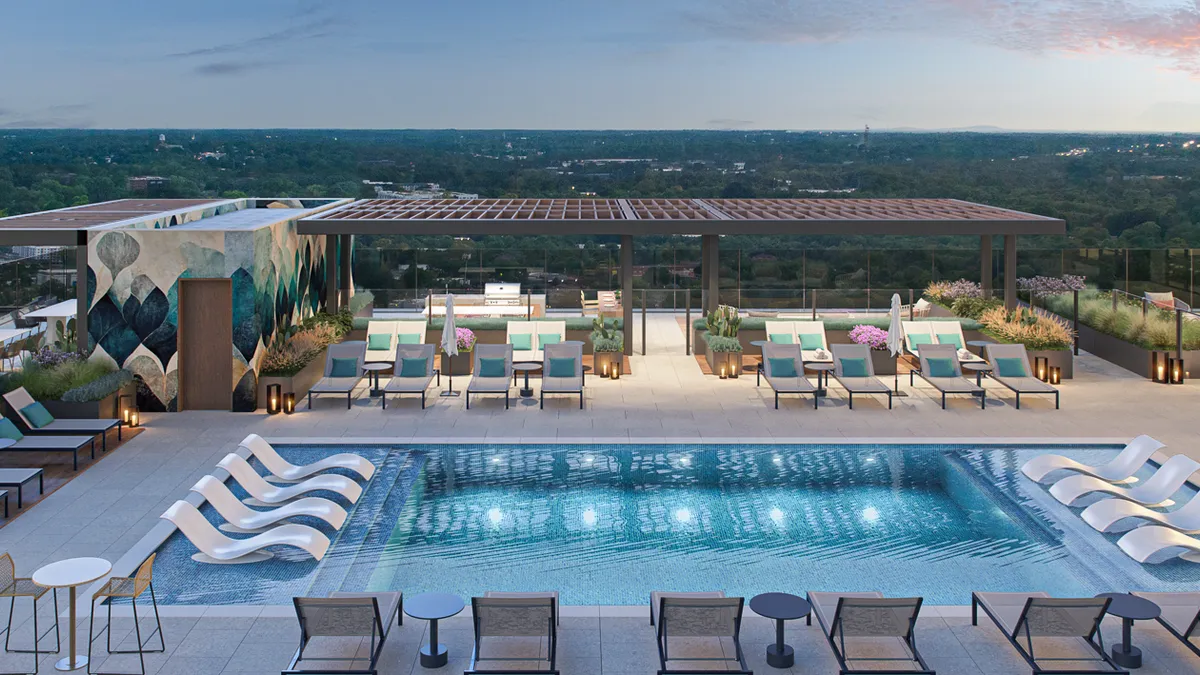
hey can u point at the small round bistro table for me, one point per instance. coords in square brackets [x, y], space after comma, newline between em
[70, 574]
[979, 367]
[1129, 608]
[979, 344]
[433, 607]
[761, 358]
[526, 367]
[372, 371]
[781, 607]
[823, 368]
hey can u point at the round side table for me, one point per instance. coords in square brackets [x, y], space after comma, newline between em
[822, 368]
[433, 607]
[71, 574]
[979, 344]
[372, 371]
[1129, 608]
[526, 367]
[980, 367]
[781, 607]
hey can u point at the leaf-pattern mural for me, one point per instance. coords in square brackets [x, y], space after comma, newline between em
[133, 288]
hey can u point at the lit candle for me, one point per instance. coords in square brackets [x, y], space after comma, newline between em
[723, 374]
[125, 415]
[133, 418]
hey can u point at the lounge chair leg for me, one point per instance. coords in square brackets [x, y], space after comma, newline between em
[541, 400]
[581, 400]
[1056, 400]
[422, 400]
[347, 401]
[506, 400]
[974, 611]
[1018, 400]
[816, 402]
[851, 399]
[983, 400]
[777, 400]
[889, 400]
[468, 399]
[310, 400]
[943, 401]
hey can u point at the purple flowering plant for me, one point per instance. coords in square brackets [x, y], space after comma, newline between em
[1042, 287]
[466, 339]
[871, 336]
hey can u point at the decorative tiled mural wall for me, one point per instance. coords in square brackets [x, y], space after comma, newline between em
[278, 279]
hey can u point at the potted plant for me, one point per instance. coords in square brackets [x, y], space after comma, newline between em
[724, 349]
[1043, 335]
[464, 362]
[608, 345]
[297, 362]
[876, 339]
[69, 385]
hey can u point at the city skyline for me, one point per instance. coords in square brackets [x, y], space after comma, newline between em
[1085, 65]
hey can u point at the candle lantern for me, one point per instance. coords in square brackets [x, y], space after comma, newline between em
[289, 403]
[604, 368]
[126, 404]
[735, 366]
[1177, 371]
[274, 399]
[616, 367]
[135, 418]
[1055, 374]
[1158, 368]
[1041, 366]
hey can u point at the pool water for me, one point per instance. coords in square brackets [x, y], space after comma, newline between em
[606, 524]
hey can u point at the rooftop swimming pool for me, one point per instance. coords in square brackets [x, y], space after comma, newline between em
[606, 524]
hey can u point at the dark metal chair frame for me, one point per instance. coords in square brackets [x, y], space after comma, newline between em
[839, 645]
[552, 657]
[661, 638]
[378, 637]
[142, 583]
[1094, 639]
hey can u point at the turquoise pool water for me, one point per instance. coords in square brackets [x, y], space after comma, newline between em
[606, 524]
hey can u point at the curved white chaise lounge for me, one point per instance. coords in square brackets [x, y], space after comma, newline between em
[1120, 470]
[216, 548]
[1146, 541]
[1156, 491]
[245, 520]
[285, 470]
[1106, 513]
[266, 494]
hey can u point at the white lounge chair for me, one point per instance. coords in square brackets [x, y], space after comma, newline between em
[1156, 491]
[484, 383]
[18, 400]
[953, 381]
[216, 548]
[381, 341]
[285, 470]
[1108, 512]
[1019, 380]
[561, 383]
[810, 335]
[336, 382]
[784, 371]
[265, 494]
[411, 332]
[242, 519]
[1118, 470]
[407, 382]
[538, 333]
[856, 383]
[1150, 540]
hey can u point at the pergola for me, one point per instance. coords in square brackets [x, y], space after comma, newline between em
[708, 218]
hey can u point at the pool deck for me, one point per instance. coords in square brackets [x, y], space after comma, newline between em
[113, 504]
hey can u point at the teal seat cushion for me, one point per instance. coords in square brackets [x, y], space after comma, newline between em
[783, 367]
[344, 368]
[781, 338]
[408, 339]
[562, 367]
[37, 415]
[854, 368]
[1010, 367]
[379, 341]
[492, 367]
[941, 367]
[410, 367]
[950, 339]
[548, 339]
[9, 430]
[920, 339]
[521, 341]
[810, 341]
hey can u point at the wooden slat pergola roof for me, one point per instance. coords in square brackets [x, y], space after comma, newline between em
[912, 217]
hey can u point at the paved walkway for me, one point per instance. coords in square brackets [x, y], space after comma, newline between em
[113, 504]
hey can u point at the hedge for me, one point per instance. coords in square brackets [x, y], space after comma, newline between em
[573, 322]
[99, 388]
[759, 323]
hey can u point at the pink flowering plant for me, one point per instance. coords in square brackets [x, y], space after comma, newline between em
[871, 336]
[466, 339]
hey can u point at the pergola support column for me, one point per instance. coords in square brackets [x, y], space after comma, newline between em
[712, 273]
[1010, 271]
[627, 291]
[81, 294]
[985, 264]
[331, 275]
[344, 288]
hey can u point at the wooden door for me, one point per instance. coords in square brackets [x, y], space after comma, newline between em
[205, 344]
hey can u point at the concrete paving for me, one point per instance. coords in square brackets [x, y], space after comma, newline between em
[113, 504]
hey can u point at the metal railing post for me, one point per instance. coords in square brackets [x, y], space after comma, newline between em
[1145, 308]
[528, 304]
[1179, 334]
[429, 304]
[643, 322]
[687, 328]
[1114, 299]
[1076, 314]
[912, 311]
[814, 309]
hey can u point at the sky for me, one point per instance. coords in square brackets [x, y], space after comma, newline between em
[1091, 65]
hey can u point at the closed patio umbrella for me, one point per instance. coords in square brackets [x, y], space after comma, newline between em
[450, 343]
[895, 340]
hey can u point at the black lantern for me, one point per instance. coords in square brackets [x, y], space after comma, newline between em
[1055, 374]
[1041, 368]
[126, 405]
[735, 365]
[1176, 371]
[289, 403]
[1158, 368]
[135, 419]
[274, 399]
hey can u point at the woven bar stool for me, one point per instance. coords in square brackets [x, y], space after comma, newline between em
[132, 588]
[13, 587]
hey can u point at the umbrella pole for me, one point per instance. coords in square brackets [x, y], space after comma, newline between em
[450, 374]
[897, 393]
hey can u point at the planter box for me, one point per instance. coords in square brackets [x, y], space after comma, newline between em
[298, 384]
[718, 360]
[1127, 355]
[883, 362]
[105, 408]
[462, 364]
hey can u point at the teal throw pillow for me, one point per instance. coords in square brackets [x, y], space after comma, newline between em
[492, 367]
[379, 341]
[783, 367]
[408, 339]
[548, 339]
[413, 367]
[781, 338]
[562, 367]
[37, 415]
[811, 341]
[1011, 367]
[344, 368]
[9, 430]
[940, 367]
[521, 341]
[854, 368]
[915, 339]
[950, 339]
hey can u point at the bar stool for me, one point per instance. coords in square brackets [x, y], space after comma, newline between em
[132, 588]
[13, 587]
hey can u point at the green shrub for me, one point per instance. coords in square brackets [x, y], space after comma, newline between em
[99, 388]
[606, 337]
[488, 323]
[1155, 330]
[342, 322]
[760, 323]
[973, 308]
[722, 343]
[50, 383]
[359, 300]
